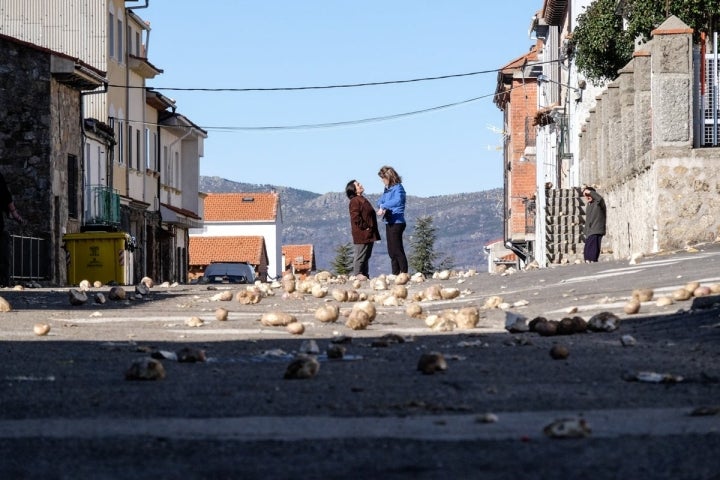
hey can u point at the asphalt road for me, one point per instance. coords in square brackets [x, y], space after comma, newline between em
[68, 411]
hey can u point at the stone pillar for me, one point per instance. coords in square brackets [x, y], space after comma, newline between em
[643, 110]
[627, 117]
[600, 138]
[672, 84]
[612, 156]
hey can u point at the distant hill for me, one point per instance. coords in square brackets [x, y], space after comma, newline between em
[464, 222]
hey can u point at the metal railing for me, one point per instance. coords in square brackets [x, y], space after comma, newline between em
[29, 258]
[102, 206]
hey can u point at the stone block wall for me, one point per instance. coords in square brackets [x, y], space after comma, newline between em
[39, 130]
[565, 212]
[637, 149]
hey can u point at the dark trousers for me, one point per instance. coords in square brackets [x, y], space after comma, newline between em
[361, 261]
[398, 260]
[592, 248]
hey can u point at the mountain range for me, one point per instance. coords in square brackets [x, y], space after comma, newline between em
[464, 222]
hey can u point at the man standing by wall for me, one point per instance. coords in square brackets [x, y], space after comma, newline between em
[595, 216]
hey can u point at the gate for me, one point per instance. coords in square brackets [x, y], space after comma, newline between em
[29, 258]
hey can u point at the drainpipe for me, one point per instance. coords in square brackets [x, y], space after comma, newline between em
[108, 173]
[142, 136]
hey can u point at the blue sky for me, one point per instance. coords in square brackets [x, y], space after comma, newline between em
[238, 44]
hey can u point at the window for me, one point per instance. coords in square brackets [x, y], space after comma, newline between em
[119, 41]
[129, 37]
[166, 170]
[148, 150]
[137, 44]
[111, 35]
[102, 167]
[88, 165]
[72, 184]
[176, 173]
[130, 147]
[121, 144]
[138, 151]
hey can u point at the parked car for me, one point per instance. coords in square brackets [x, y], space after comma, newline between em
[228, 272]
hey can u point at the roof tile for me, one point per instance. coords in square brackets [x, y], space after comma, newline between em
[243, 207]
[205, 250]
[293, 253]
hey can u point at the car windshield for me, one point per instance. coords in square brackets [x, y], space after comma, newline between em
[228, 273]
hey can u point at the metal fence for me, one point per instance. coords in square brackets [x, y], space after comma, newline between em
[29, 258]
[707, 129]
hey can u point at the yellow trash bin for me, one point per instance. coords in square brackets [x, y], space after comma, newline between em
[98, 256]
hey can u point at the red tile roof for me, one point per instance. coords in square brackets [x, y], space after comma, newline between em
[204, 250]
[243, 207]
[301, 257]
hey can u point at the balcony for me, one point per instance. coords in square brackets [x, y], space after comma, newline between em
[102, 207]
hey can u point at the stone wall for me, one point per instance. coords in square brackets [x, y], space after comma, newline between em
[39, 129]
[637, 148]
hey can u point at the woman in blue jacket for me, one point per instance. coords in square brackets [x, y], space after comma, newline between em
[391, 208]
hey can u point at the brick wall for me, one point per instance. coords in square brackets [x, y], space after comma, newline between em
[522, 173]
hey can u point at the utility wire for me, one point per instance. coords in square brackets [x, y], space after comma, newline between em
[317, 87]
[350, 122]
[321, 87]
[330, 124]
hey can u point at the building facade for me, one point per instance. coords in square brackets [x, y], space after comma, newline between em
[244, 215]
[41, 153]
[139, 156]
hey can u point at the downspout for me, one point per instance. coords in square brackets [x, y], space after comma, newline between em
[142, 136]
[144, 123]
[84, 136]
[83, 139]
[128, 153]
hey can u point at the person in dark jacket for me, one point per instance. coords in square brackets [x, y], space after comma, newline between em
[595, 219]
[391, 207]
[8, 208]
[363, 226]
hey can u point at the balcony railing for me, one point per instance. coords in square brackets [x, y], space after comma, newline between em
[102, 206]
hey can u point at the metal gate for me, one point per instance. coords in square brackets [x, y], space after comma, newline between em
[707, 87]
[29, 258]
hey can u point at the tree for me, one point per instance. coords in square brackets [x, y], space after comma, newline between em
[602, 46]
[645, 15]
[343, 262]
[423, 246]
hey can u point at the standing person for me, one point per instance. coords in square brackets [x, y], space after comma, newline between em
[391, 207]
[364, 228]
[595, 219]
[8, 207]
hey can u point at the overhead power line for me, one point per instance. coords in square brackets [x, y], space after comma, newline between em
[331, 124]
[320, 87]
[316, 87]
[349, 122]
